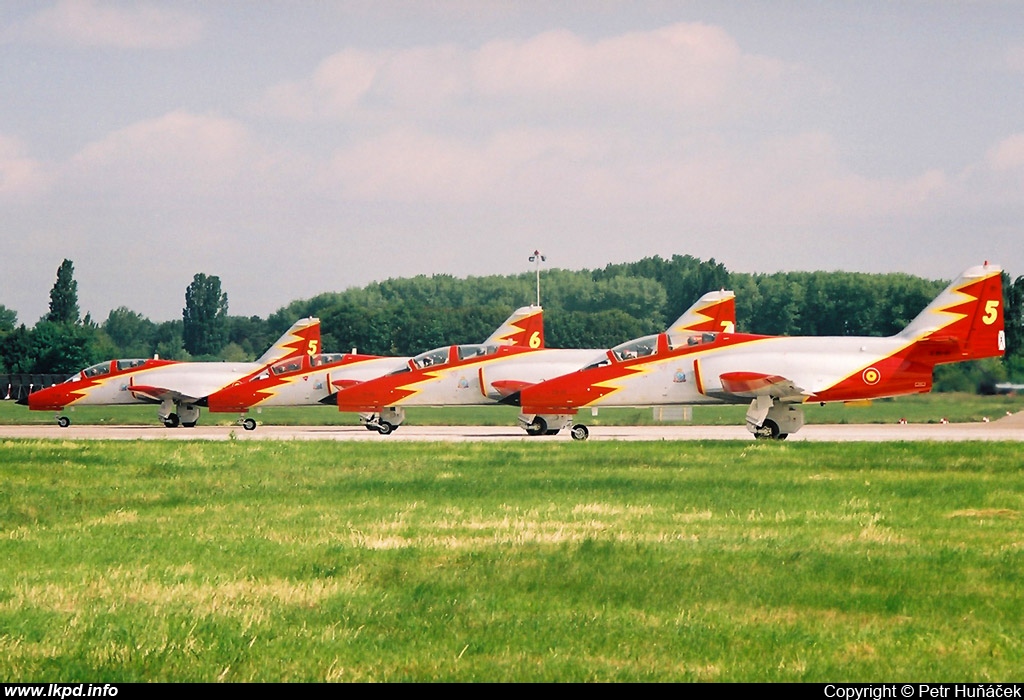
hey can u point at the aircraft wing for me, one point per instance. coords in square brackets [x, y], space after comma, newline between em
[727, 383]
[508, 387]
[751, 384]
[189, 382]
[157, 394]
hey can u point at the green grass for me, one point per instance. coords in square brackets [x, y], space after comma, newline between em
[665, 561]
[924, 408]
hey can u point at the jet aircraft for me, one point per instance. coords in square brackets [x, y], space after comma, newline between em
[462, 375]
[176, 386]
[315, 379]
[298, 381]
[775, 375]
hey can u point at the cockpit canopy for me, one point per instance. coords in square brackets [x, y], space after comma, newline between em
[97, 370]
[691, 340]
[431, 358]
[649, 345]
[123, 365]
[445, 355]
[641, 347]
[326, 359]
[468, 351]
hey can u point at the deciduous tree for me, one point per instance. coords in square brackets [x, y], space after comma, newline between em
[64, 295]
[205, 316]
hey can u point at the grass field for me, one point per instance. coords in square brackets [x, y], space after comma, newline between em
[924, 408]
[662, 561]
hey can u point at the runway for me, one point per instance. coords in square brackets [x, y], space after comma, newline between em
[1007, 429]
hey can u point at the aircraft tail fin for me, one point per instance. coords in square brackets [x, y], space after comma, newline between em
[525, 328]
[303, 338]
[965, 322]
[715, 311]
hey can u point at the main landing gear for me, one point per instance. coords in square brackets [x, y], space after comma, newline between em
[768, 420]
[536, 425]
[173, 414]
[385, 422]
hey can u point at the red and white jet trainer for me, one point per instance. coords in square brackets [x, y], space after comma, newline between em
[463, 375]
[777, 374]
[176, 386]
[316, 379]
[299, 381]
[439, 376]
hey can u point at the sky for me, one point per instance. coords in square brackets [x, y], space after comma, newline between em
[298, 147]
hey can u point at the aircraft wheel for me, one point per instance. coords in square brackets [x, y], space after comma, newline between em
[769, 430]
[385, 428]
[189, 425]
[171, 421]
[579, 432]
[249, 424]
[552, 432]
[63, 421]
[539, 426]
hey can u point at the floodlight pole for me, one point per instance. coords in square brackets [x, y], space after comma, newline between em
[537, 258]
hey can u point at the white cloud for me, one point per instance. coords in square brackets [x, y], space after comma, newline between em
[337, 85]
[679, 67]
[178, 155]
[1008, 154]
[20, 174]
[996, 182]
[1014, 57]
[127, 26]
[411, 166]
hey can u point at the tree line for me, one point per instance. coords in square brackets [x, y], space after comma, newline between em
[582, 308]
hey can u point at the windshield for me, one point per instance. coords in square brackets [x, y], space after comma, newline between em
[641, 347]
[291, 365]
[97, 370]
[326, 359]
[122, 365]
[695, 339]
[600, 363]
[468, 351]
[437, 356]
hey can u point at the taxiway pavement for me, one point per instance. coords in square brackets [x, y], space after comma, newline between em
[1007, 429]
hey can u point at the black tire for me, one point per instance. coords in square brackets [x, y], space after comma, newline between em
[63, 421]
[552, 432]
[579, 432]
[171, 421]
[189, 425]
[539, 426]
[385, 428]
[249, 424]
[769, 430]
